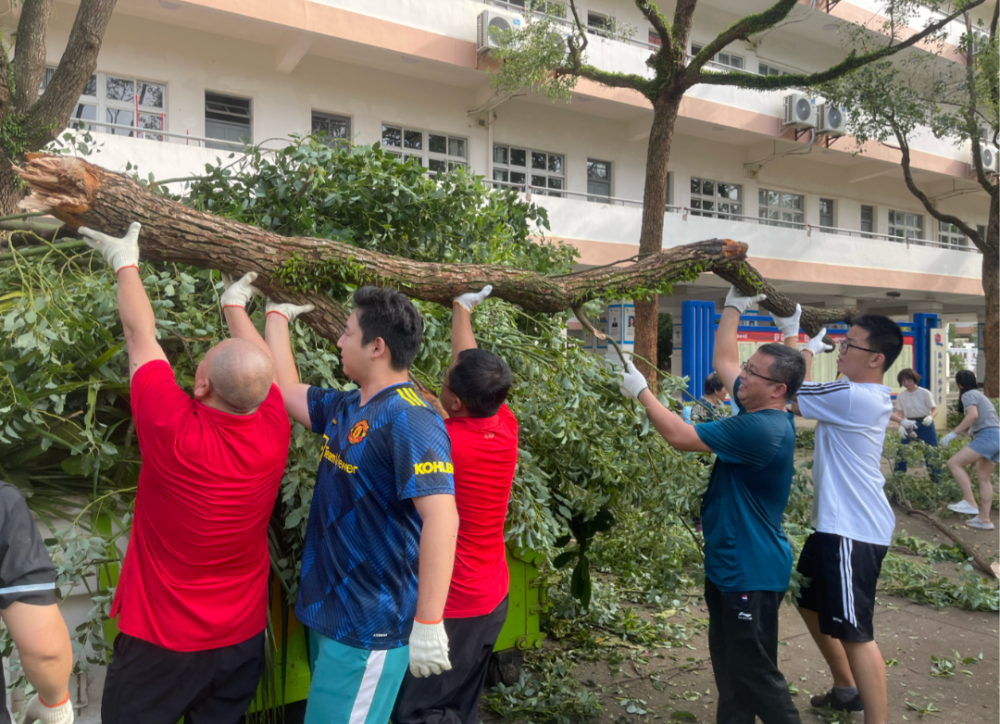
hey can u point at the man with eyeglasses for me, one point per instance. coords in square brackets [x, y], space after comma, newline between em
[748, 561]
[852, 519]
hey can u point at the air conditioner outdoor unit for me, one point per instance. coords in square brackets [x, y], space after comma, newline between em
[832, 120]
[989, 156]
[494, 19]
[800, 111]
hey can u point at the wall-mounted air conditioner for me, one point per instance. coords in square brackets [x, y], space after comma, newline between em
[498, 19]
[800, 111]
[831, 120]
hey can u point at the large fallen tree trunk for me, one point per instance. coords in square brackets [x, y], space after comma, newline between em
[82, 194]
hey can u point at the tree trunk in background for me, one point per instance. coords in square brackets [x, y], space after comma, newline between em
[991, 288]
[654, 201]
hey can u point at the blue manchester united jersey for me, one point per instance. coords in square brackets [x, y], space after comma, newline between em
[359, 561]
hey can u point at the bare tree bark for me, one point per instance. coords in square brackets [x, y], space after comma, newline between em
[29, 53]
[51, 113]
[82, 194]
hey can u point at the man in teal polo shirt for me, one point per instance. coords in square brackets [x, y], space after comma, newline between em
[747, 559]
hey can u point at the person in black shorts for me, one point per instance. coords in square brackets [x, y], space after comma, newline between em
[28, 609]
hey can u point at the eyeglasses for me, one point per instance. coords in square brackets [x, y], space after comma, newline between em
[845, 345]
[750, 373]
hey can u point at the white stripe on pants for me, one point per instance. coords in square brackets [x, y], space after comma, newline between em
[366, 693]
[847, 580]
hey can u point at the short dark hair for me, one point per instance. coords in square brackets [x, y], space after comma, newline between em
[908, 373]
[884, 336]
[390, 315]
[713, 384]
[787, 366]
[481, 380]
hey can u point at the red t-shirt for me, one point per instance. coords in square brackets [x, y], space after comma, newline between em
[195, 571]
[484, 453]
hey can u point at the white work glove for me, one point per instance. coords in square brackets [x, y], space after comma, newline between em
[740, 303]
[946, 440]
[36, 710]
[816, 344]
[908, 425]
[428, 649]
[903, 432]
[287, 310]
[633, 382]
[927, 421]
[470, 300]
[238, 293]
[789, 326]
[119, 253]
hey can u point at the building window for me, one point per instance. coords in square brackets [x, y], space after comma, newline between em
[670, 188]
[768, 69]
[518, 165]
[599, 180]
[907, 226]
[826, 213]
[334, 128]
[552, 9]
[599, 24]
[949, 234]
[981, 230]
[655, 39]
[227, 118]
[730, 60]
[715, 198]
[868, 220]
[122, 101]
[434, 151]
[781, 208]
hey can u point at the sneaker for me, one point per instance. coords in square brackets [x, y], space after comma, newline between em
[831, 700]
[963, 507]
[976, 523]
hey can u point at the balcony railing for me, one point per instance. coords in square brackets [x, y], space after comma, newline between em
[155, 135]
[686, 211]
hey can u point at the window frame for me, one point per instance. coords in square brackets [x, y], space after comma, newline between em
[424, 155]
[782, 222]
[224, 144]
[716, 198]
[529, 171]
[101, 104]
[832, 214]
[697, 47]
[771, 66]
[866, 233]
[328, 139]
[951, 236]
[905, 226]
[597, 198]
[604, 30]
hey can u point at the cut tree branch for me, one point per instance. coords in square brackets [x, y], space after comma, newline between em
[82, 194]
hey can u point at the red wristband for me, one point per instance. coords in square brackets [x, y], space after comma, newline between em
[429, 623]
[117, 271]
[54, 706]
[275, 311]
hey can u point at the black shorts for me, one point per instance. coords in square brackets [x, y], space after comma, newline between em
[148, 684]
[843, 573]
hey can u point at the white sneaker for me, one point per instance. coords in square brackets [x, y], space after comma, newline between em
[963, 507]
[976, 523]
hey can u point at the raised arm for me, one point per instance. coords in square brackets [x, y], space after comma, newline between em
[234, 301]
[461, 320]
[138, 322]
[276, 321]
[726, 356]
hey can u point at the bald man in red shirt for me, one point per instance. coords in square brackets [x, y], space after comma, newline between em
[483, 436]
[191, 600]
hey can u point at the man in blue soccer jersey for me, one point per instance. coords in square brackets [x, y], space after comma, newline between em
[380, 540]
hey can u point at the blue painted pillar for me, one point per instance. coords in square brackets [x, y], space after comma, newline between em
[922, 325]
[698, 330]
